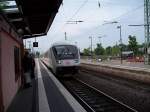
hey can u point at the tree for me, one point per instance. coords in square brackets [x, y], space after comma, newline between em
[108, 50]
[133, 45]
[115, 50]
[124, 47]
[86, 51]
[99, 50]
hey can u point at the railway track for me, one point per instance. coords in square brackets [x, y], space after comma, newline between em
[92, 99]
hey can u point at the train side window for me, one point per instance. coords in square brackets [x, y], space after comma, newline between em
[17, 62]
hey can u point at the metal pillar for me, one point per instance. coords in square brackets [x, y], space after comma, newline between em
[65, 36]
[147, 32]
[91, 47]
[119, 27]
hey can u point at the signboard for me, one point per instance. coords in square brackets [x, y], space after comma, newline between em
[35, 44]
[148, 51]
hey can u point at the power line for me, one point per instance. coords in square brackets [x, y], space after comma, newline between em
[133, 10]
[97, 27]
[82, 5]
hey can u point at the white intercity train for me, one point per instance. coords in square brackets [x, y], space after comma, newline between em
[63, 58]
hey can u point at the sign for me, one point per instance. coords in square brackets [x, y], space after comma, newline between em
[35, 44]
[148, 51]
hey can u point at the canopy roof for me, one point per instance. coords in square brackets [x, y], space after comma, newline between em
[31, 17]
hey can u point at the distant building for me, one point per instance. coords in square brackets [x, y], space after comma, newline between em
[127, 54]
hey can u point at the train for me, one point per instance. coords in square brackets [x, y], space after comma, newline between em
[63, 58]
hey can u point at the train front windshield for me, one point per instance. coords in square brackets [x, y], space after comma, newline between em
[65, 52]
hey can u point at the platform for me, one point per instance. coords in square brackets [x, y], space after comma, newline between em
[139, 72]
[136, 66]
[45, 95]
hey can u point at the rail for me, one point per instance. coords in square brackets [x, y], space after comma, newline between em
[92, 99]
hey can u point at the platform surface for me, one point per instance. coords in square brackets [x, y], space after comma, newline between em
[45, 95]
[137, 66]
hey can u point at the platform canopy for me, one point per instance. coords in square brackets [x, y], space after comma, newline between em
[31, 18]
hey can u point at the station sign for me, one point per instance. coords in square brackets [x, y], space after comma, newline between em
[148, 50]
[35, 44]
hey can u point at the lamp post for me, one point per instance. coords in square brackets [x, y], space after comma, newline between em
[65, 36]
[91, 47]
[147, 29]
[74, 22]
[119, 27]
[100, 38]
[110, 22]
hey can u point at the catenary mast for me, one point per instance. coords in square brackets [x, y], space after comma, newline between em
[147, 27]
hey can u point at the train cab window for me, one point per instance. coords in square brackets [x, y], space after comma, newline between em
[65, 52]
[17, 62]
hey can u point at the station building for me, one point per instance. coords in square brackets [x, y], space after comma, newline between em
[15, 25]
[10, 62]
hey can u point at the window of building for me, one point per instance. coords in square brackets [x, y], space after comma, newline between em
[17, 62]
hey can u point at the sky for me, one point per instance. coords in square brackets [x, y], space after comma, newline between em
[95, 19]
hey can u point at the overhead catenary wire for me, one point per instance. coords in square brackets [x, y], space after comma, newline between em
[82, 5]
[117, 18]
[76, 12]
[97, 27]
[114, 19]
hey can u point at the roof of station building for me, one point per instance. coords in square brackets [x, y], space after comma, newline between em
[31, 18]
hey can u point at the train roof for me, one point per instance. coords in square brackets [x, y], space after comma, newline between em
[61, 43]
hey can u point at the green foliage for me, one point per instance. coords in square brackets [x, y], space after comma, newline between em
[86, 51]
[124, 47]
[99, 50]
[108, 50]
[138, 49]
[133, 45]
[115, 50]
[141, 45]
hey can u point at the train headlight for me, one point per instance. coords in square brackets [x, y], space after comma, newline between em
[76, 61]
[58, 61]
